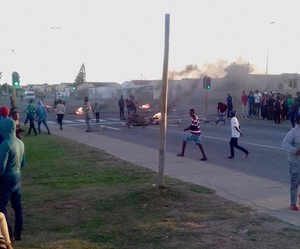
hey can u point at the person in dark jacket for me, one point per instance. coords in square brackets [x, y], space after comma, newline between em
[12, 160]
[31, 112]
[121, 104]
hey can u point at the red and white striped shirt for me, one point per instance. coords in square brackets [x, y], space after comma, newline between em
[195, 126]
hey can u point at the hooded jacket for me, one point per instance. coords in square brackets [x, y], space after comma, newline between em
[12, 157]
[41, 111]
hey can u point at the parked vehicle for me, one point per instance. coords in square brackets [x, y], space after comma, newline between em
[29, 95]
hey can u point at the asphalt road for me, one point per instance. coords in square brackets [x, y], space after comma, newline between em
[262, 138]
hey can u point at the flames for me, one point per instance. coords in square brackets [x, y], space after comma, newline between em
[48, 107]
[157, 115]
[144, 106]
[79, 111]
[155, 119]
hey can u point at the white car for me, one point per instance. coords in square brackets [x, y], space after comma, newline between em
[29, 95]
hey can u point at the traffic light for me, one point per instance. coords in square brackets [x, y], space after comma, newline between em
[74, 87]
[206, 82]
[15, 79]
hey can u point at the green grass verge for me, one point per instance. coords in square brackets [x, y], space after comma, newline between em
[75, 196]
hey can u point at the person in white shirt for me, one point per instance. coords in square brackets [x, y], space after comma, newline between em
[235, 134]
[257, 97]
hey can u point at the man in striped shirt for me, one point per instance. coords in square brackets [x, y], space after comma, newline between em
[194, 135]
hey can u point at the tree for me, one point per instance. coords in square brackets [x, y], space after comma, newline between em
[6, 88]
[80, 78]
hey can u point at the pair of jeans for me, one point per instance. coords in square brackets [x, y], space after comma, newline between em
[31, 126]
[295, 181]
[234, 143]
[45, 124]
[10, 191]
[60, 119]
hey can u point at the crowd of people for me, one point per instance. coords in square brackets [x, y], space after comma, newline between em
[271, 106]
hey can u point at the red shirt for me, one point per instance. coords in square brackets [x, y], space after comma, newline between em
[244, 99]
[222, 107]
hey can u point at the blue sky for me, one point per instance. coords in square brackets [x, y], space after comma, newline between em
[118, 40]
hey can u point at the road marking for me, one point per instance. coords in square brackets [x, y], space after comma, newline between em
[227, 140]
[112, 128]
[254, 144]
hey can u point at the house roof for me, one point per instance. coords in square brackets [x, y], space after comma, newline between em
[103, 84]
[141, 82]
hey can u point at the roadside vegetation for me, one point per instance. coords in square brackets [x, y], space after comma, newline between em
[75, 196]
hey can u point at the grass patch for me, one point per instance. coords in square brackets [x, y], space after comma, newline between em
[75, 196]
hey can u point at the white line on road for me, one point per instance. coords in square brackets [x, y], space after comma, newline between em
[227, 140]
[254, 144]
[112, 128]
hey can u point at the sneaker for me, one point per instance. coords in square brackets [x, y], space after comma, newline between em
[230, 157]
[247, 154]
[294, 207]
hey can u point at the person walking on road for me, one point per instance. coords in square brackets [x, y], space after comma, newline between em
[31, 111]
[97, 112]
[291, 143]
[12, 160]
[194, 135]
[235, 134]
[41, 113]
[88, 113]
[60, 111]
[121, 104]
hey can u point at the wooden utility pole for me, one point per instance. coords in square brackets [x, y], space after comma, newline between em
[164, 105]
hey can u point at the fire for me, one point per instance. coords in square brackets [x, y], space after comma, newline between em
[48, 107]
[79, 111]
[157, 115]
[144, 106]
[155, 119]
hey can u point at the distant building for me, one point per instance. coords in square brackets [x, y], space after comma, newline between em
[98, 90]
